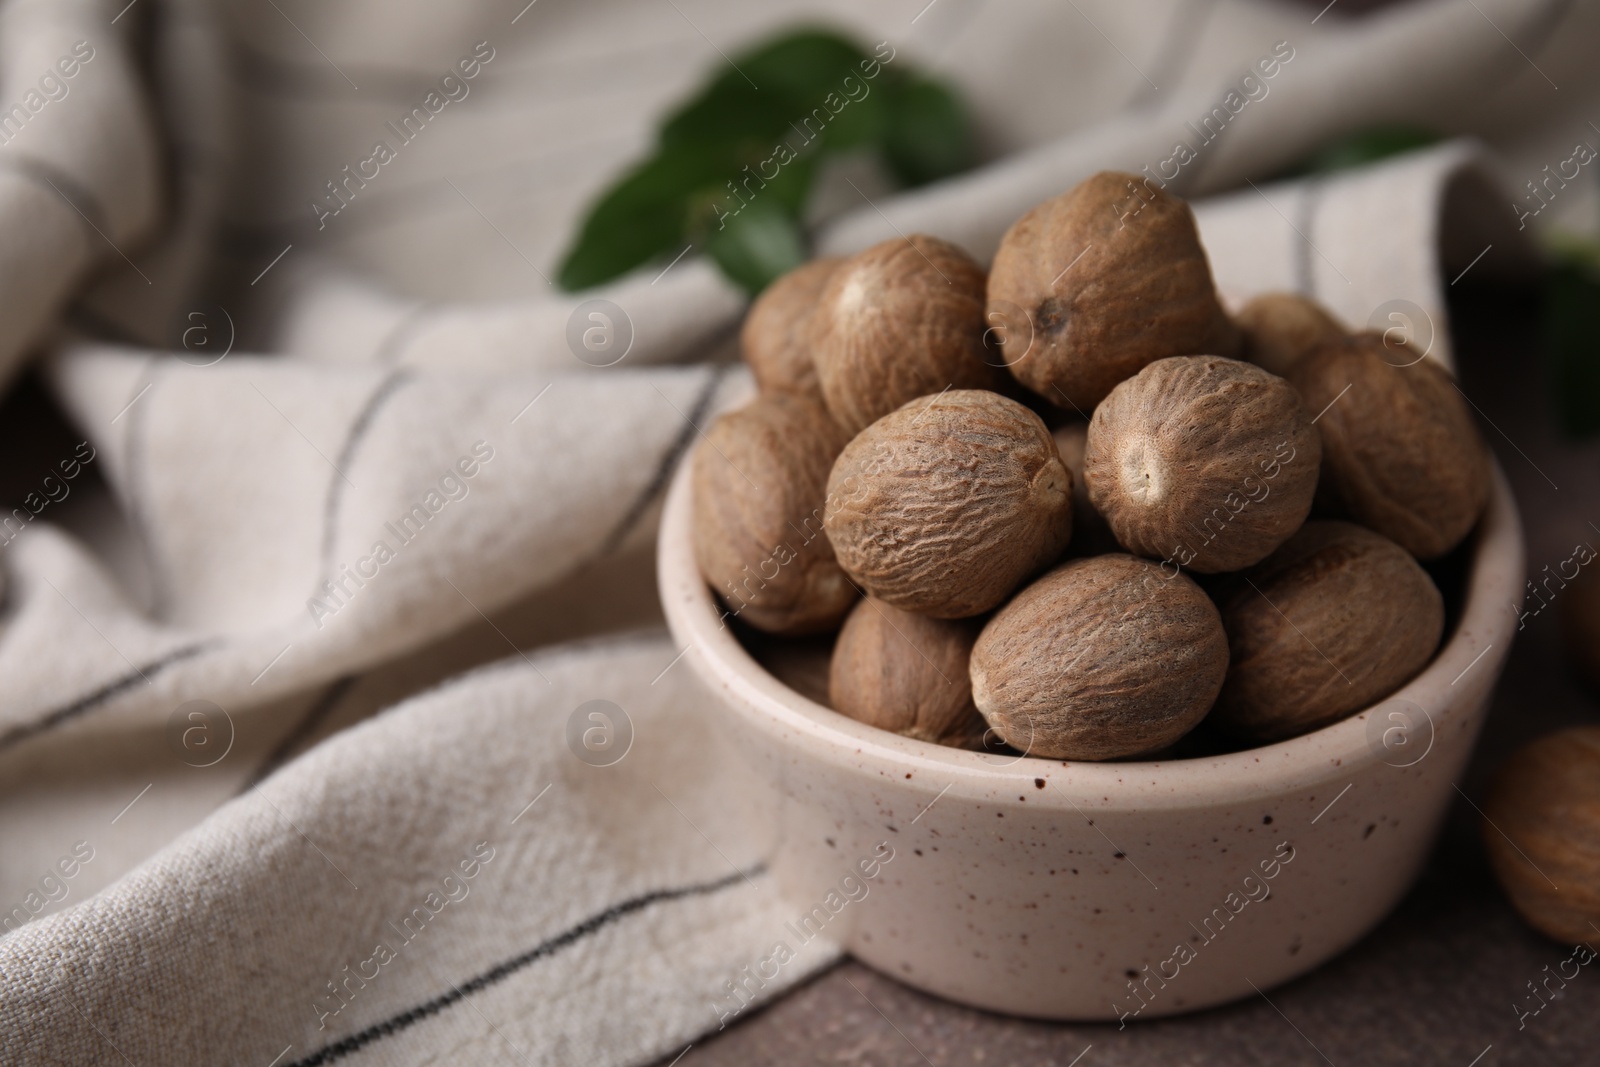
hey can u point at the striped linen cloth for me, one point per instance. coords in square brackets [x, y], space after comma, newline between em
[292, 680]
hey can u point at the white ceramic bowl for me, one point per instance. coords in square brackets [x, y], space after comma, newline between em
[1110, 890]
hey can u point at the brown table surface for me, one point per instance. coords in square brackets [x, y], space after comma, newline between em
[1436, 982]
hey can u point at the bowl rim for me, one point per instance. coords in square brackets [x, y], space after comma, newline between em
[1474, 653]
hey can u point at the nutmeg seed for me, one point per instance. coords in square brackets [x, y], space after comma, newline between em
[945, 505]
[1141, 291]
[759, 480]
[1400, 452]
[1282, 329]
[906, 673]
[1204, 462]
[775, 337]
[1542, 830]
[1335, 620]
[1101, 658]
[900, 320]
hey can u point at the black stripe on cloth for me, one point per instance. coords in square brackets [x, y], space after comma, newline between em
[667, 464]
[102, 695]
[390, 384]
[501, 971]
[314, 717]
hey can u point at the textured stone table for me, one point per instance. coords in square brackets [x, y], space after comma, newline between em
[1436, 983]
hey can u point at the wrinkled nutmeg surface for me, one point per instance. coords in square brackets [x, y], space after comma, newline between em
[943, 506]
[1546, 800]
[1100, 659]
[1335, 620]
[759, 480]
[1141, 291]
[1400, 452]
[1205, 462]
[906, 673]
[775, 337]
[900, 320]
[1282, 329]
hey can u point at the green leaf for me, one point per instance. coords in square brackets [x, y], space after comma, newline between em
[728, 116]
[928, 135]
[791, 185]
[767, 94]
[826, 95]
[1366, 146]
[735, 162]
[856, 114]
[803, 65]
[758, 245]
[1572, 340]
[642, 216]
[787, 188]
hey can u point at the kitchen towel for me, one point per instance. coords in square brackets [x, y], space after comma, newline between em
[296, 715]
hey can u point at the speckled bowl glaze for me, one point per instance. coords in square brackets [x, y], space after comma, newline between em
[1115, 890]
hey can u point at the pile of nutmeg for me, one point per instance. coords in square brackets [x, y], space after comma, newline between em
[1065, 503]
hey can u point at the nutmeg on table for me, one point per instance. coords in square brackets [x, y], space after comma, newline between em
[912, 461]
[1542, 830]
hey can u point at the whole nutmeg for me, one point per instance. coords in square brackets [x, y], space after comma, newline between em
[758, 486]
[907, 674]
[1542, 829]
[1400, 452]
[1203, 462]
[1099, 282]
[1090, 534]
[775, 337]
[901, 320]
[943, 506]
[1281, 329]
[1332, 622]
[1101, 658]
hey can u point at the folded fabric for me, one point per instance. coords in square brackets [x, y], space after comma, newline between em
[374, 462]
[396, 889]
